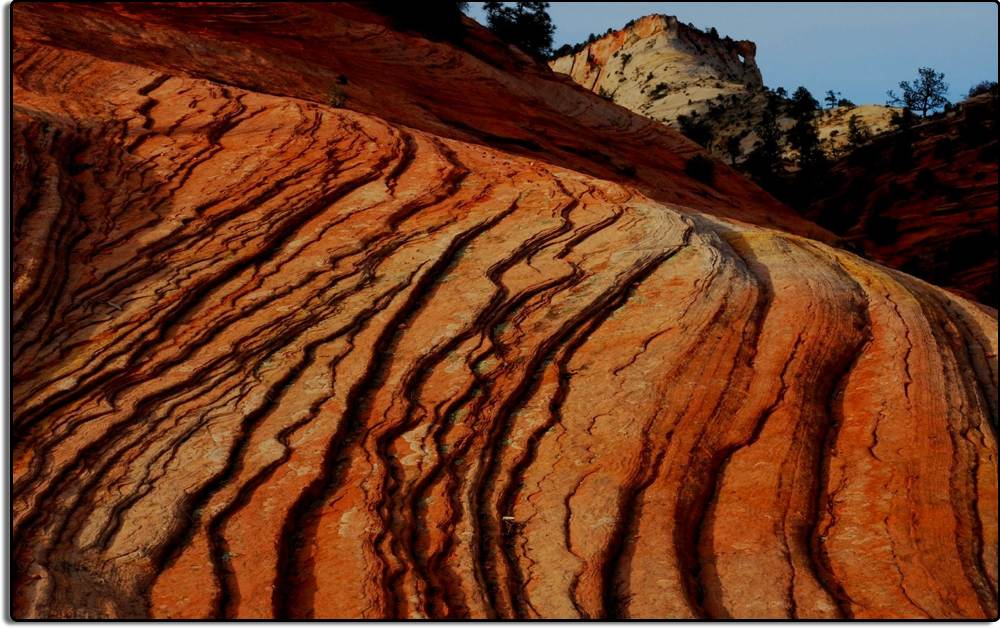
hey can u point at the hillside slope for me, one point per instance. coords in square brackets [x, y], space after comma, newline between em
[469, 345]
[930, 210]
[694, 67]
[664, 69]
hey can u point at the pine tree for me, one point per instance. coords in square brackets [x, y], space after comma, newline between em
[983, 87]
[734, 149]
[526, 25]
[763, 162]
[802, 105]
[902, 142]
[804, 138]
[695, 130]
[858, 132]
[924, 95]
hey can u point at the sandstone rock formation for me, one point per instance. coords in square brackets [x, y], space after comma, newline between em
[468, 345]
[663, 68]
[930, 210]
[832, 125]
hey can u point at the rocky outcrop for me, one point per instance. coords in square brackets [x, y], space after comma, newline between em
[410, 357]
[661, 68]
[934, 217]
[833, 125]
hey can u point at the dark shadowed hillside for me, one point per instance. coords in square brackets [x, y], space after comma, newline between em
[925, 200]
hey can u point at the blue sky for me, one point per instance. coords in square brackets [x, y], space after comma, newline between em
[859, 49]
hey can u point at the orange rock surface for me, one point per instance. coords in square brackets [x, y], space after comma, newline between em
[470, 345]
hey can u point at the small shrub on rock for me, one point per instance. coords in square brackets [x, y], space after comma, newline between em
[701, 168]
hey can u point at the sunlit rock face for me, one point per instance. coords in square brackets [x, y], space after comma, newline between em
[470, 344]
[628, 65]
[664, 69]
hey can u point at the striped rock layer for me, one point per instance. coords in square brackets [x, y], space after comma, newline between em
[275, 358]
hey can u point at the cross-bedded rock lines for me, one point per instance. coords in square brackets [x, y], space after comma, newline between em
[276, 359]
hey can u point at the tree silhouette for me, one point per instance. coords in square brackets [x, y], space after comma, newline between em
[831, 99]
[983, 87]
[734, 149]
[701, 168]
[764, 160]
[858, 132]
[563, 50]
[526, 25]
[924, 95]
[803, 105]
[901, 157]
[804, 138]
[434, 20]
[695, 130]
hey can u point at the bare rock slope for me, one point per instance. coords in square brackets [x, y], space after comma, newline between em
[662, 68]
[468, 345]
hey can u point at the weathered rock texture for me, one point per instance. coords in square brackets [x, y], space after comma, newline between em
[662, 68]
[276, 358]
[694, 66]
[833, 125]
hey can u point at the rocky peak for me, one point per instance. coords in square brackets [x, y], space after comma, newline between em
[667, 48]
[734, 59]
[665, 69]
